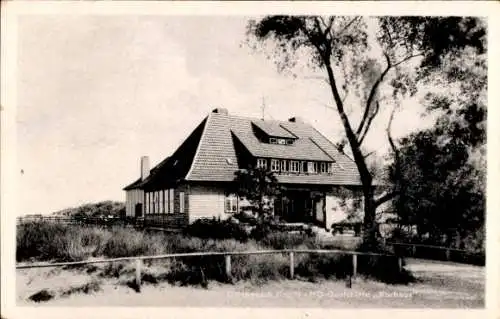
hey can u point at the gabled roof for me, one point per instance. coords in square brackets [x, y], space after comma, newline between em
[216, 159]
[209, 153]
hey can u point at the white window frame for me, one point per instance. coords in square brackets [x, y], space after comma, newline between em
[323, 167]
[262, 163]
[283, 165]
[171, 200]
[311, 167]
[281, 141]
[231, 204]
[330, 168]
[294, 166]
[182, 202]
[275, 165]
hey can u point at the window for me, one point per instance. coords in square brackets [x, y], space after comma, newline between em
[303, 167]
[272, 140]
[310, 167]
[171, 201]
[289, 142]
[275, 165]
[231, 204]
[294, 166]
[156, 199]
[262, 163]
[323, 167]
[281, 141]
[284, 165]
[165, 201]
[330, 168]
[181, 202]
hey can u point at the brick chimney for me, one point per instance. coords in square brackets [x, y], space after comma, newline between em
[296, 119]
[144, 167]
[220, 110]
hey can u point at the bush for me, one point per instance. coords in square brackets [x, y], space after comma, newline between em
[327, 266]
[47, 241]
[286, 240]
[217, 229]
[124, 243]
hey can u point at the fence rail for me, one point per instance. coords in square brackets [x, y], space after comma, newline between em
[227, 260]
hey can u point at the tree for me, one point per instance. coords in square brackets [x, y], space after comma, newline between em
[411, 49]
[259, 186]
[442, 169]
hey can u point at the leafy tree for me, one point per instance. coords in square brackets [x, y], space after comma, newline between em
[372, 72]
[259, 186]
[441, 170]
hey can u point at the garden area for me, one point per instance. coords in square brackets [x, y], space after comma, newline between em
[52, 242]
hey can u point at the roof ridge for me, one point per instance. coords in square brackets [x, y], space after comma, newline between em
[196, 153]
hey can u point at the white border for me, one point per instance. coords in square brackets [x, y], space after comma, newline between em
[9, 12]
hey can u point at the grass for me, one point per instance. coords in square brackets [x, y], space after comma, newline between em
[43, 241]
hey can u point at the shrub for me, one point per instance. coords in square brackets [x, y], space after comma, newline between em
[46, 241]
[217, 229]
[286, 240]
[326, 266]
[124, 243]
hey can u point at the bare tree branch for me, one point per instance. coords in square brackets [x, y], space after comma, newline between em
[386, 197]
[372, 93]
[390, 195]
[369, 123]
[369, 154]
[348, 25]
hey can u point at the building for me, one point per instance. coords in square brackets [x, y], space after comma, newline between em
[193, 182]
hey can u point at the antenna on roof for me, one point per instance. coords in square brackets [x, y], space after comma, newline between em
[263, 107]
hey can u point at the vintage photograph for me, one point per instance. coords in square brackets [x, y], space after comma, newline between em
[291, 161]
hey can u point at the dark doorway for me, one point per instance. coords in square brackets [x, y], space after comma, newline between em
[138, 210]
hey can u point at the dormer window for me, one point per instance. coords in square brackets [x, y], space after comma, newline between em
[280, 141]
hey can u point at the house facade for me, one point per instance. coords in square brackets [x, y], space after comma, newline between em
[194, 181]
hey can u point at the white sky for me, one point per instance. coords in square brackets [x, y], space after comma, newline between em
[97, 92]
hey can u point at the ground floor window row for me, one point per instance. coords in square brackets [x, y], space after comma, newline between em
[163, 202]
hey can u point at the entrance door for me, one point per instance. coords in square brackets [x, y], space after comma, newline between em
[138, 210]
[319, 211]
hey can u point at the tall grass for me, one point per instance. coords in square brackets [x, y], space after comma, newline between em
[44, 241]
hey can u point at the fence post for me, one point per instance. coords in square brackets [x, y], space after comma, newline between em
[228, 266]
[354, 265]
[447, 254]
[292, 265]
[414, 250]
[138, 274]
[400, 264]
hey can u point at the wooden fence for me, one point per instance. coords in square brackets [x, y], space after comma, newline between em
[437, 253]
[227, 260]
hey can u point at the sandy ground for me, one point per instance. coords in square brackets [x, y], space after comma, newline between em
[439, 286]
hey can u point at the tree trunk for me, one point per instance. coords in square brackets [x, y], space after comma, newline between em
[369, 232]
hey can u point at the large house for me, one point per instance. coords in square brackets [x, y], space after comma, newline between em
[194, 181]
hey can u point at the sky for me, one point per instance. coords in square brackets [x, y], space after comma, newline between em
[96, 92]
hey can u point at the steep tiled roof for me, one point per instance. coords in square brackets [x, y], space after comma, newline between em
[209, 153]
[216, 160]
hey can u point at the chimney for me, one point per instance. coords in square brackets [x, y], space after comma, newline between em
[220, 110]
[144, 167]
[296, 119]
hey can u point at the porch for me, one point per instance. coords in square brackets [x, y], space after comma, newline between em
[302, 206]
